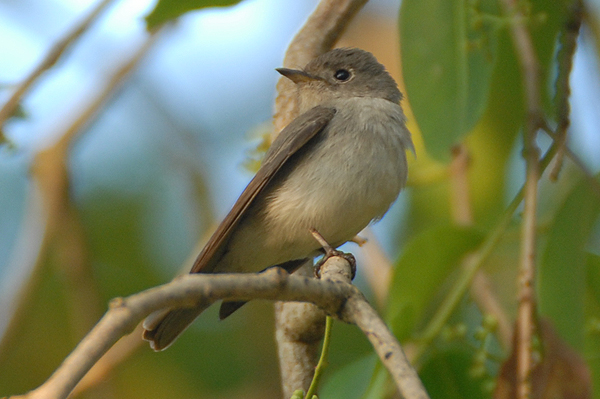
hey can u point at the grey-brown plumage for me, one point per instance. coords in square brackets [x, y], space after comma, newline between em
[336, 167]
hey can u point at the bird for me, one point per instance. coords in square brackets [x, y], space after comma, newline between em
[333, 169]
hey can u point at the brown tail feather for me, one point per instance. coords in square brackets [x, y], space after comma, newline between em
[163, 331]
[162, 328]
[227, 308]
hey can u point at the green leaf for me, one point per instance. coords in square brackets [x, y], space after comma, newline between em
[167, 10]
[562, 272]
[448, 55]
[381, 384]
[446, 375]
[427, 261]
[592, 337]
[40, 335]
[593, 275]
[548, 18]
[350, 381]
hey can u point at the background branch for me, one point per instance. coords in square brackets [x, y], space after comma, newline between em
[62, 225]
[481, 288]
[49, 60]
[469, 269]
[299, 328]
[530, 72]
[568, 45]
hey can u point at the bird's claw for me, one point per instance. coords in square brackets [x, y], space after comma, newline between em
[330, 252]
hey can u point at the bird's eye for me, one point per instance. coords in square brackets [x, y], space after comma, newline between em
[342, 75]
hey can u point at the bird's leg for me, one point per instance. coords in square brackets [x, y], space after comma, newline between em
[358, 240]
[329, 251]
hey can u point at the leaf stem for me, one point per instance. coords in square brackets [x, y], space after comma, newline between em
[323, 362]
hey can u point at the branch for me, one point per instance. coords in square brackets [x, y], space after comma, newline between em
[481, 290]
[49, 60]
[117, 354]
[337, 298]
[568, 45]
[358, 311]
[588, 174]
[530, 74]
[377, 268]
[460, 200]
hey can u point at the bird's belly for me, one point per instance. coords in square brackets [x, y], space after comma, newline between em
[336, 194]
[338, 206]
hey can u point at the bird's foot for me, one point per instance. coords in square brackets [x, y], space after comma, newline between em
[329, 252]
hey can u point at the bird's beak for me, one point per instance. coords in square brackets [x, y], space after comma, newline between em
[296, 75]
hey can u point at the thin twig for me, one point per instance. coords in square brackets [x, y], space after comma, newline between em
[462, 214]
[323, 360]
[589, 176]
[377, 268]
[49, 60]
[530, 73]
[568, 45]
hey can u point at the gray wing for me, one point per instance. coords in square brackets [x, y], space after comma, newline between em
[291, 139]
[162, 328]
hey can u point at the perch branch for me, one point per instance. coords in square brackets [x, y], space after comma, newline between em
[335, 297]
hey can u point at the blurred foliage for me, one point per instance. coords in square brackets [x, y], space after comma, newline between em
[448, 58]
[426, 262]
[563, 268]
[167, 10]
[446, 375]
[463, 85]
